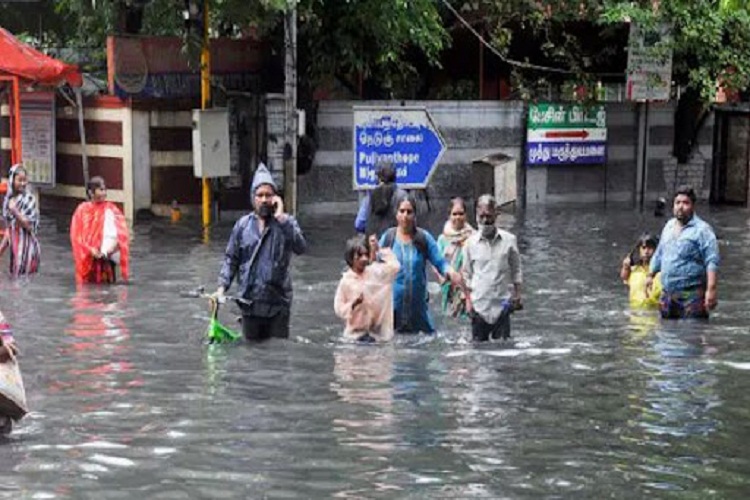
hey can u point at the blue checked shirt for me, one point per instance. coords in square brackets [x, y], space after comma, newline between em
[684, 258]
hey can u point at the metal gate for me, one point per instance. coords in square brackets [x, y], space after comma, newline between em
[730, 180]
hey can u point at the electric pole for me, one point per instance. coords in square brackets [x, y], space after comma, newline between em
[290, 107]
[205, 104]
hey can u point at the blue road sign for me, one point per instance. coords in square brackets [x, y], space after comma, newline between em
[404, 137]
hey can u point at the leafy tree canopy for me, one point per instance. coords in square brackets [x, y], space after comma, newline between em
[367, 39]
[380, 40]
[711, 38]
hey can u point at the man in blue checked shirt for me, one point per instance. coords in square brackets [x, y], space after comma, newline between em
[688, 258]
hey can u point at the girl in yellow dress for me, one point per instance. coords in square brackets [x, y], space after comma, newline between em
[634, 270]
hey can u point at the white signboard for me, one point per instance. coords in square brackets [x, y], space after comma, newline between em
[38, 137]
[649, 64]
[275, 112]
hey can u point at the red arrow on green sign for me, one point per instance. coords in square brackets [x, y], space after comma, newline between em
[567, 134]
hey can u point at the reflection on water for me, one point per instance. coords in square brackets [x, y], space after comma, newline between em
[675, 398]
[680, 386]
[589, 400]
[364, 377]
[362, 380]
[99, 353]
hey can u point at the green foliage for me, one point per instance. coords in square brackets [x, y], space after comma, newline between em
[371, 39]
[711, 38]
[349, 39]
[460, 90]
[87, 25]
[711, 45]
[546, 41]
[380, 40]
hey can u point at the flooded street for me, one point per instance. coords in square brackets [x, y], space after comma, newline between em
[588, 401]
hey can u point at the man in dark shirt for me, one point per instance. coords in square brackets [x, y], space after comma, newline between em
[258, 256]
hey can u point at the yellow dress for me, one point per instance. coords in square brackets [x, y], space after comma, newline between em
[637, 284]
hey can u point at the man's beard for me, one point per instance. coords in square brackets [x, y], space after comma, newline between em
[683, 217]
[265, 211]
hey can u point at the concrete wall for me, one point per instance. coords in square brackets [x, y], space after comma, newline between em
[471, 129]
[169, 139]
[141, 160]
[663, 174]
[474, 128]
[107, 149]
[146, 155]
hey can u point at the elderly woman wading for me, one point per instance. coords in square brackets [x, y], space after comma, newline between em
[451, 243]
[414, 247]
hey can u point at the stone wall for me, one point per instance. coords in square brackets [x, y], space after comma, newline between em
[473, 129]
[664, 174]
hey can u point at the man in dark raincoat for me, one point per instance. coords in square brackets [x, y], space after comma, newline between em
[258, 256]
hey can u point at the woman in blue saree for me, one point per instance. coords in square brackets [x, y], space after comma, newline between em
[414, 248]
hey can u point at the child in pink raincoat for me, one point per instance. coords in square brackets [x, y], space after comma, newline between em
[364, 298]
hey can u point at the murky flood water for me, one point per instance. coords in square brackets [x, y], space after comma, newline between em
[589, 401]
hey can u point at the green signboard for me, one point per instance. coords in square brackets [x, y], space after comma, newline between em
[545, 115]
[566, 134]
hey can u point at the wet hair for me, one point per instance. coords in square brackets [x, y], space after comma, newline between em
[457, 201]
[387, 174]
[685, 191]
[645, 239]
[96, 182]
[355, 246]
[13, 173]
[413, 202]
[407, 197]
[17, 169]
[649, 240]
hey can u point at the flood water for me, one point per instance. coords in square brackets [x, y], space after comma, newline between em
[588, 401]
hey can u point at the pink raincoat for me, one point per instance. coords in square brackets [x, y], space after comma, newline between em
[375, 314]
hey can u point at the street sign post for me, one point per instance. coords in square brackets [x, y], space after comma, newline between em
[649, 79]
[565, 134]
[649, 63]
[404, 137]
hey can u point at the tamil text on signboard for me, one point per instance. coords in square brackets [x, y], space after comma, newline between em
[403, 137]
[560, 134]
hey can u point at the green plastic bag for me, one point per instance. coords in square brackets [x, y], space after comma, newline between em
[218, 333]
